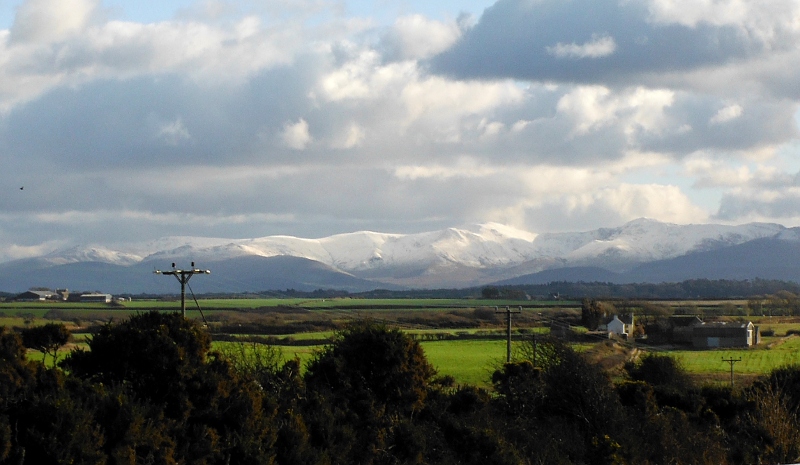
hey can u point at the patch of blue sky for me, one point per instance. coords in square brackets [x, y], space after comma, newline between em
[382, 12]
[8, 9]
[386, 11]
[145, 11]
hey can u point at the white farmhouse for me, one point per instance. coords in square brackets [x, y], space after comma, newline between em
[621, 327]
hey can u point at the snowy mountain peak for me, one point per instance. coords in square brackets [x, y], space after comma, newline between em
[448, 257]
[502, 231]
[91, 254]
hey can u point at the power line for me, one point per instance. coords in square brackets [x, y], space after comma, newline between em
[183, 277]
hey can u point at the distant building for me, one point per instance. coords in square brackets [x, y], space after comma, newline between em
[102, 298]
[712, 335]
[682, 326]
[35, 296]
[621, 326]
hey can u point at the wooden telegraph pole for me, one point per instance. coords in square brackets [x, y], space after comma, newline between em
[508, 313]
[183, 277]
[732, 361]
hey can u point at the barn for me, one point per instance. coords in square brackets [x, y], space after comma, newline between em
[712, 335]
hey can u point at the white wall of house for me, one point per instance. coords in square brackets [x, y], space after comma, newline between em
[616, 326]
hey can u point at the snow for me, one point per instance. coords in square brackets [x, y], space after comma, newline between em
[485, 245]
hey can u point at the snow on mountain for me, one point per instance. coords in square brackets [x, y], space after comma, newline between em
[91, 254]
[646, 240]
[487, 245]
[451, 256]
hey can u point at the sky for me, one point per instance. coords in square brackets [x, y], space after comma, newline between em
[125, 121]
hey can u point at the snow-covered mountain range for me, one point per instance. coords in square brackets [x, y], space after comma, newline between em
[454, 257]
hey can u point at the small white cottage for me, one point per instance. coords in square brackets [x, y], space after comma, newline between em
[621, 326]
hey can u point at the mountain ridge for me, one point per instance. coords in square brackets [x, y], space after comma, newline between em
[471, 256]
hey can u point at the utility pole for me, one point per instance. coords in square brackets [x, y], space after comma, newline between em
[183, 277]
[732, 361]
[508, 313]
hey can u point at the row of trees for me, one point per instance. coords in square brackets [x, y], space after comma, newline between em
[150, 390]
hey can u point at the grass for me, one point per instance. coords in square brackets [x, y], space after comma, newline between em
[756, 361]
[472, 362]
[469, 362]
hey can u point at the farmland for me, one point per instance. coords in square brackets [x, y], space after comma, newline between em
[462, 338]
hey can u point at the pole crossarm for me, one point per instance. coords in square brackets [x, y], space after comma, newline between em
[183, 277]
[732, 361]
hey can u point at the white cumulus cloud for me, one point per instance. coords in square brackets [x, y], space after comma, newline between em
[726, 114]
[296, 135]
[598, 47]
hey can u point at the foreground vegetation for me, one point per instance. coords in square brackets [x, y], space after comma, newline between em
[150, 389]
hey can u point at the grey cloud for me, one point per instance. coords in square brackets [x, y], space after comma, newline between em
[121, 123]
[762, 123]
[309, 203]
[742, 206]
[511, 40]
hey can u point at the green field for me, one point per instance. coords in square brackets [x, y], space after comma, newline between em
[472, 362]
[760, 360]
[468, 361]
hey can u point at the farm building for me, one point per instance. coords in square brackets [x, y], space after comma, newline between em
[710, 335]
[102, 298]
[41, 295]
[621, 326]
[682, 326]
[34, 296]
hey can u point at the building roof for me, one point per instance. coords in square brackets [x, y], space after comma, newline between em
[684, 320]
[626, 319]
[41, 294]
[721, 329]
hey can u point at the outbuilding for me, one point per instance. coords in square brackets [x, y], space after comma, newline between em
[712, 335]
[682, 326]
[34, 296]
[94, 297]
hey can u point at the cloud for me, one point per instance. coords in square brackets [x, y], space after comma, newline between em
[726, 114]
[520, 39]
[598, 47]
[174, 132]
[612, 206]
[296, 135]
[550, 115]
[417, 37]
[351, 137]
[761, 205]
[49, 20]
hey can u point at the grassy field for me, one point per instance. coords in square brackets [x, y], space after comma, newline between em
[758, 360]
[345, 303]
[473, 361]
[468, 361]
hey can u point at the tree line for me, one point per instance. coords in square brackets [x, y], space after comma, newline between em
[151, 390]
